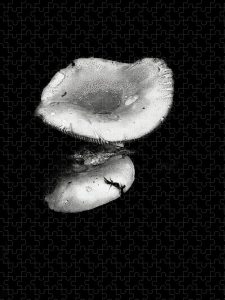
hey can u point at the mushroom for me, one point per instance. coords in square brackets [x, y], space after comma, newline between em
[107, 101]
[91, 185]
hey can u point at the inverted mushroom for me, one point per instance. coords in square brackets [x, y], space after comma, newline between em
[91, 185]
[108, 101]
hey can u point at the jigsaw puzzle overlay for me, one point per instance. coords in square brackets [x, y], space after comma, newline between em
[163, 239]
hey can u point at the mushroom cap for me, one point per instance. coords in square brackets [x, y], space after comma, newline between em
[108, 101]
[86, 188]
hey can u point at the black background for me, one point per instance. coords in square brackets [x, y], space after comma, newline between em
[163, 241]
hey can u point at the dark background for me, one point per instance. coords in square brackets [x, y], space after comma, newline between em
[163, 241]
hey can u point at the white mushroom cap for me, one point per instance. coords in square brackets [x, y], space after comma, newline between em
[88, 189]
[108, 101]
